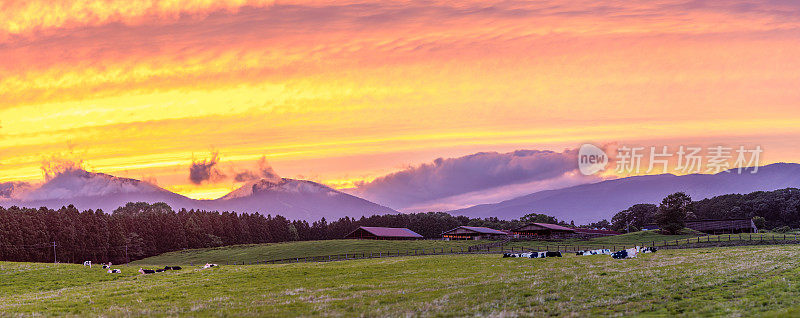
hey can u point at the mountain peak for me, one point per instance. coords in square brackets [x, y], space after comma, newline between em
[81, 183]
[257, 187]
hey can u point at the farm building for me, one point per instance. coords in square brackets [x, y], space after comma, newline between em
[723, 226]
[473, 233]
[383, 233]
[543, 230]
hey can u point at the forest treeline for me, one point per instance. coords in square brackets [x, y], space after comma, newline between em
[779, 210]
[139, 230]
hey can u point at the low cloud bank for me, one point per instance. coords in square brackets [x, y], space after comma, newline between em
[491, 175]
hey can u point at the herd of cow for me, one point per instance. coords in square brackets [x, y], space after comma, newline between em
[105, 266]
[626, 253]
[142, 270]
[159, 270]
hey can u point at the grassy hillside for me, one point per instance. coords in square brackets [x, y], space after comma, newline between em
[261, 252]
[743, 281]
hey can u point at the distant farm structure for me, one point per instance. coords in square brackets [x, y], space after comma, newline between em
[473, 233]
[542, 231]
[547, 231]
[723, 226]
[383, 233]
[530, 231]
[717, 226]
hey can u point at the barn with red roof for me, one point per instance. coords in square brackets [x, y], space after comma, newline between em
[473, 233]
[543, 230]
[383, 233]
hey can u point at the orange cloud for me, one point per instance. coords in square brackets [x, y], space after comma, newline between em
[139, 86]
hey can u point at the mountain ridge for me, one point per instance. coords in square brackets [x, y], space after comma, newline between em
[293, 199]
[595, 201]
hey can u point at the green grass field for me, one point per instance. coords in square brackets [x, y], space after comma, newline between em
[261, 252]
[741, 281]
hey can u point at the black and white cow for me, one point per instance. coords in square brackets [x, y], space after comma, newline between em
[649, 249]
[595, 252]
[532, 254]
[627, 253]
[146, 271]
[114, 271]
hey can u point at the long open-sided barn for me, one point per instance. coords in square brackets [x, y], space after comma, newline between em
[723, 226]
[716, 226]
[383, 233]
[543, 230]
[473, 233]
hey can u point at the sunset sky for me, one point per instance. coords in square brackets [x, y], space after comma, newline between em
[343, 92]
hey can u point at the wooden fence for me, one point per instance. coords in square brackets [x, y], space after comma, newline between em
[501, 247]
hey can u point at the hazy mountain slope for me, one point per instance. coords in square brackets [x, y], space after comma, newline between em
[297, 199]
[592, 202]
[293, 199]
[90, 190]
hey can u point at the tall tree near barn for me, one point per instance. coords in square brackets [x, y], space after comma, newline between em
[673, 211]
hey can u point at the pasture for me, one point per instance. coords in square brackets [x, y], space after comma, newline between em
[739, 281]
[260, 252]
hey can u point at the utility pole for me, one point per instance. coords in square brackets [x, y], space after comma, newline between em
[127, 260]
[55, 260]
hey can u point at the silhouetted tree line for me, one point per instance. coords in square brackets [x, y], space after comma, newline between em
[139, 230]
[771, 209]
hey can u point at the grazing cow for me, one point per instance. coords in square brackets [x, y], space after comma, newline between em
[208, 265]
[538, 255]
[176, 268]
[522, 255]
[146, 271]
[595, 252]
[649, 249]
[627, 253]
[167, 268]
[533, 254]
[87, 263]
[114, 271]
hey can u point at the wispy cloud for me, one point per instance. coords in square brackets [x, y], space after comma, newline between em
[265, 171]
